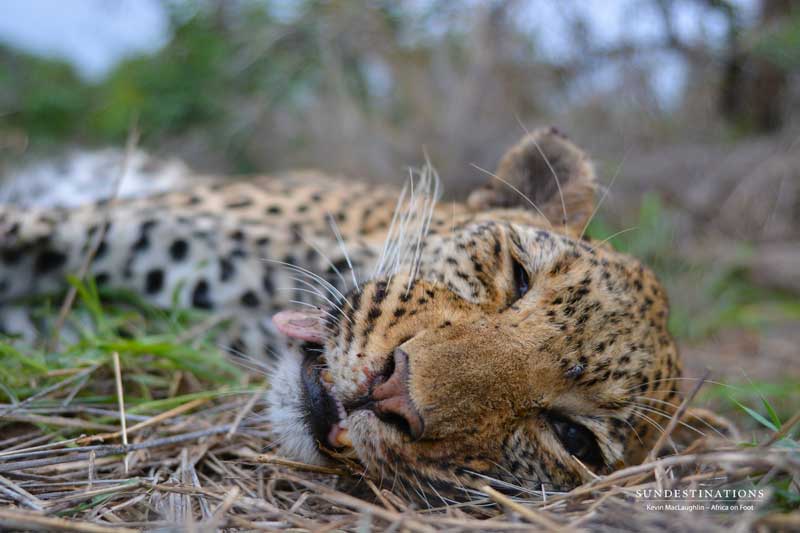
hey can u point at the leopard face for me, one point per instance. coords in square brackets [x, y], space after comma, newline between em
[500, 348]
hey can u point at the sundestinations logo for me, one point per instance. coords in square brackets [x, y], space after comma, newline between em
[701, 499]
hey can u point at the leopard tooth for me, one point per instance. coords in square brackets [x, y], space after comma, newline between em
[341, 411]
[343, 439]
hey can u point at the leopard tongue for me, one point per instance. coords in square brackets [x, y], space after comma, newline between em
[303, 325]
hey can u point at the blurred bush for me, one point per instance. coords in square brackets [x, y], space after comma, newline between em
[188, 83]
[781, 44]
[362, 87]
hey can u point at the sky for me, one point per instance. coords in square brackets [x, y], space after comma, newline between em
[94, 35]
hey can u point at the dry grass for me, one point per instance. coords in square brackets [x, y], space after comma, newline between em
[200, 465]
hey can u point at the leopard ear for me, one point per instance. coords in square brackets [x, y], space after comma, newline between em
[301, 325]
[551, 172]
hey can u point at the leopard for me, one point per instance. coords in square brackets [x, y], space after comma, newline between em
[442, 346]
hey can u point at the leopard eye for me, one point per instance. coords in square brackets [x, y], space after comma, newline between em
[521, 280]
[577, 440]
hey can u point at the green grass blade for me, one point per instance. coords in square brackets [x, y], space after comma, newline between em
[756, 416]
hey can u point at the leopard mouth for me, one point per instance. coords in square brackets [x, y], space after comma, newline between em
[324, 413]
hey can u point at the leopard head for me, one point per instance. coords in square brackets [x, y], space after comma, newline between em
[506, 348]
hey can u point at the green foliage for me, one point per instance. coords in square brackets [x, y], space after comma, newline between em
[147, 339]
[780, 44]
[179, 87]
[191, 82]
[760, 410]
[647, 239]
[766, 405]
[43, 97]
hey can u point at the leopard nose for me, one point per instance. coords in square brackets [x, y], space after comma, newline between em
[391, 400]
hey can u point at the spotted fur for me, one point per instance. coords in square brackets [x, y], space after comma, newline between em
[491, 372]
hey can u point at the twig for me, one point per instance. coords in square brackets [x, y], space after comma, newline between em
[378, 494]
[89, 494]
[69, 299]
[20, 495]
[782, 432]
[676, 417]
[185, 504]
[123, 505]
[268, 458]
[218, 517]
[197, 331]
[92, 468]
[229, 471]
[243, 412]
[121, 402]
[244, 501]
[74, 391]
[535, 517]
[23, 454]
[145, 423]
[105, 451]
[61, 421]
[47, 390]
[204, 509]
[26, 447]
[360, 505]
[341, 524]
[18, 440]
[25, 520]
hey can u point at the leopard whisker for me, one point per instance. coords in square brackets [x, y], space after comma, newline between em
[430, 179]
[445, 501]
[334, 317]
[617, 234]
[666, 414]
[343, 247]
[336, 293]
[329, 287]
[501, 483]
[653, 423]
[606, 190]
[401, 249]
[507, 471]
[397, 243]
[421, 492]
[327, 259]
[245, 360]
[320, 295]
[390, 241]
[516, 190]
[682, 378]
[316, 290]
[709, 426]
[301, 289]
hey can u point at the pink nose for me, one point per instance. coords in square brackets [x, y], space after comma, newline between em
[392, 400]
